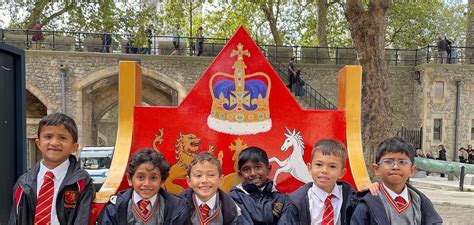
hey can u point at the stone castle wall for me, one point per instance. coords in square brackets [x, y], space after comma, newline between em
[167, 80]
[444, 107]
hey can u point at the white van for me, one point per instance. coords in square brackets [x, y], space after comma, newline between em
[96, 161]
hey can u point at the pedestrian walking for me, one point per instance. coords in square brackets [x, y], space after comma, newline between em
[176, 38]
[291, 73]
[200, 41]
[37, 35]
[442, 155]
[442, 50]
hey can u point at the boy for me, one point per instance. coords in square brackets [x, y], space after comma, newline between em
[325, 200]
[211, 205]
[403, 203]
[55, 190]
[146, 202]
[256, 196]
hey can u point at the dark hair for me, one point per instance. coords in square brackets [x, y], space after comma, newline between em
[148, 155]
[330, 147]
[255, 154]
[395, 145]
[58, 119]
[204, 156]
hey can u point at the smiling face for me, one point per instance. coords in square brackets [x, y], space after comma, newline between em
[326, 170]
[256, 173]
[204, 178]
[396, 176]
[146, 180]
[56, 144]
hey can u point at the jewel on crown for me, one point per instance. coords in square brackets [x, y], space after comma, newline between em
[240, 102]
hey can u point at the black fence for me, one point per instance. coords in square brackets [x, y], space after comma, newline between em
[169, 45]
[413, 136]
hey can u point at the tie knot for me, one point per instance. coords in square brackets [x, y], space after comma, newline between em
[49, 176]
[400, 201]
[205, 207]
[143, 204]
[328, 199]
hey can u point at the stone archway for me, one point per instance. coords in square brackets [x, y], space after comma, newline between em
[35, 110]
[40, 96]
[99, 106]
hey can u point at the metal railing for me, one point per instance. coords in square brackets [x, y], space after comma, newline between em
[412, 136]
[163, 45]
[311, 97]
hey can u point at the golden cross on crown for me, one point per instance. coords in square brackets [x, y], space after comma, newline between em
[239, 52]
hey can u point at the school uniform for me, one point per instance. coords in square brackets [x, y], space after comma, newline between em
[72, 196]
[259, 205]
[307, 204]
[167, 209]
[417, 208]
[222, 209]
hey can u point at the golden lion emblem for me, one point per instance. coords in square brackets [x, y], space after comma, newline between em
[186, 148]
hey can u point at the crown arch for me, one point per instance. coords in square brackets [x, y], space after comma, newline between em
[99, 94]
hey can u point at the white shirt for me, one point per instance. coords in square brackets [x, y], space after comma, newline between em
[393, 195]
[59, 174]
[136, 198]
[317, 197]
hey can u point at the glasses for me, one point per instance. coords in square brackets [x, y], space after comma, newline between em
[392, 162]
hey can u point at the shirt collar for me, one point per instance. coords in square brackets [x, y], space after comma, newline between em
[211, 202]
[59, 172]
[322, 195]
[393, 195]
[136, 198]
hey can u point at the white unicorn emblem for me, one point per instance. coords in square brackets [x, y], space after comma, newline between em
[294, 164]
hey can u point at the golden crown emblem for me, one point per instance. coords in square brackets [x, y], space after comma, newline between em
[240, 102]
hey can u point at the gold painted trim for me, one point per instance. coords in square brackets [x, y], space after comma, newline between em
[130, 94]
[349, 99]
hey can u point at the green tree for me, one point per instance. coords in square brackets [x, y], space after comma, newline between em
[40, 10]
[271, 10]
[470, 29]
[419, 23]
[222, 19]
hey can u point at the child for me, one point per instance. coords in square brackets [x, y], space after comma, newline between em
[325, 200]
[257, 196]
[146, 202]
[55, 190]
[403, 204]
[211, 205]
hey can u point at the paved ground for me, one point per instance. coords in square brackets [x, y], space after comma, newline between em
[454, 206]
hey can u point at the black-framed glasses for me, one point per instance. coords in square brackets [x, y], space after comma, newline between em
[392, 162]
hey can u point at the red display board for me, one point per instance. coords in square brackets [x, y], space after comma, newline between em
[239, 101]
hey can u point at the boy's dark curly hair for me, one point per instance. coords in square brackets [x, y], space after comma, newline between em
[151, 156]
